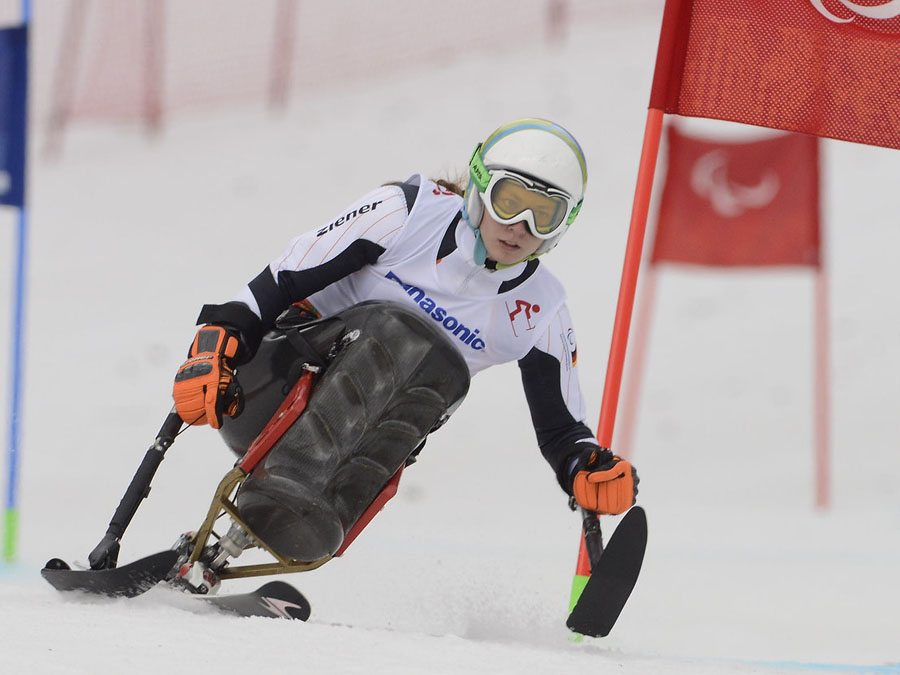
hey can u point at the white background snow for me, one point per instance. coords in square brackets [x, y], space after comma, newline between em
[468, 569]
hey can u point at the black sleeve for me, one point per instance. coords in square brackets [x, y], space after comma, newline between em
[274, 294]
[292, 286]
[274, 297]
[240, 320]
[560, 436]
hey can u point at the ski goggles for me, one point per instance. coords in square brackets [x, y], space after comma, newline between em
[510, 198]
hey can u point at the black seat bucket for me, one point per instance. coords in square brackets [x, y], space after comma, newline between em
[375, 404]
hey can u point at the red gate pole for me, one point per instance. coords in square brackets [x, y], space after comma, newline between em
[65, 77]
[282, 57]
[633, 248]
[631, 267]
[822, 407]
[634, 376]
[154, 64]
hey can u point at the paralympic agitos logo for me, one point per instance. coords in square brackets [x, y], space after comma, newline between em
[468, 336]
[710, 180]
[885, 11]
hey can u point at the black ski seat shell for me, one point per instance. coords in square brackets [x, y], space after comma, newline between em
[371, 409]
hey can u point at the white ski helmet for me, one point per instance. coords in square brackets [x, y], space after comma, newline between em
[538, 163]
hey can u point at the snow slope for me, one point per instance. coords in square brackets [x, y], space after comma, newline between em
[468, 569]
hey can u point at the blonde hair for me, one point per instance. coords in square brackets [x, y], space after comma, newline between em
[455, 185]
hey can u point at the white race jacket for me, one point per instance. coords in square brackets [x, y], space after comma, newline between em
[407, 243]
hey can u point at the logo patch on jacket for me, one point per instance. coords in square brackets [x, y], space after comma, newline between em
[468, 336]
[573, 348]
[520, 316]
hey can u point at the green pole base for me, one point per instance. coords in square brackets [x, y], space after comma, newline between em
[10, 534]
[579, 581]
[578, 584]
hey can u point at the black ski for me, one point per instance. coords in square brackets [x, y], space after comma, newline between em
[275, 599]
[117, 582]
[612, 578]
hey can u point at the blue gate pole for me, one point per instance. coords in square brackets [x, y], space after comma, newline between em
[11, 514]
[11, 517]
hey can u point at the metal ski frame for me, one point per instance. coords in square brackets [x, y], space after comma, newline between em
[105, 554]
[223, 499]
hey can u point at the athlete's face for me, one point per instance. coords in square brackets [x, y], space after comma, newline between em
[507, 244]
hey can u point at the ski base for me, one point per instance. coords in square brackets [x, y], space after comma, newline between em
[127, 581]
[612, 579]
[276, 599]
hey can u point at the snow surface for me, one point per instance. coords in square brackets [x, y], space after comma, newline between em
[468, 569]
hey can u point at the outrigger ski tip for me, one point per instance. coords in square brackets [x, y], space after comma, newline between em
[612, 578]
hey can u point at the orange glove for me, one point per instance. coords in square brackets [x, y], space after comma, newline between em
[205, 387]
[604, 483]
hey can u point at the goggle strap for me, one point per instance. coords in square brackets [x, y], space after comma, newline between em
[574, 212]
[481, 177]
[479, 172]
